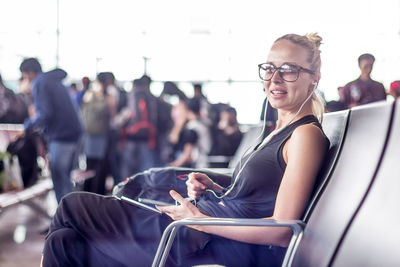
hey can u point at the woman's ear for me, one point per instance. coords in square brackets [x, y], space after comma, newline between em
[312, 87]
[314, 83]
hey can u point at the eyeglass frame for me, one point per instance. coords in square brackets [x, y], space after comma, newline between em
[300, 68]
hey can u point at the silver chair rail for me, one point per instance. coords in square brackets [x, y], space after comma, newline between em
[169, 234]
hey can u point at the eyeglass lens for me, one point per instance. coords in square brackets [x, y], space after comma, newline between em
[287, 72]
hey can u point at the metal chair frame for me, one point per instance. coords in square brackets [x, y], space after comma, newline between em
[169, 234]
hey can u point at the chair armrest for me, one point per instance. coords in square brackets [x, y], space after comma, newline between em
[169, 234]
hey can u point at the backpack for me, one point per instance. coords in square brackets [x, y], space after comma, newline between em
[142, 124]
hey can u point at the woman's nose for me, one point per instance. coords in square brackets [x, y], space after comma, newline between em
[276, 77]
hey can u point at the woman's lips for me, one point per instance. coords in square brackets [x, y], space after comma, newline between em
[278, 93]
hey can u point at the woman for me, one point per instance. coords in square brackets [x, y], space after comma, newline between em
[274, 180]
[97, 109]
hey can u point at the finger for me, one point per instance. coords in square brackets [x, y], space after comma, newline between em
[200, 179]
[199, 175]
[177, 197]
[170, 211]
[165, 209]
[196, 184]
[193, 176]
[192, 194]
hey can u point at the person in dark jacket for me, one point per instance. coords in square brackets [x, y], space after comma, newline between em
[58, 117]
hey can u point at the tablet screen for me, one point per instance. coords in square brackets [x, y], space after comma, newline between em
[155, 195]
[150, 207]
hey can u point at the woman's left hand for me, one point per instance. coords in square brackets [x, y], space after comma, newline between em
[185, 209]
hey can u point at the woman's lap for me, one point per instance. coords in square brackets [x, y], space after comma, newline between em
[109, 226]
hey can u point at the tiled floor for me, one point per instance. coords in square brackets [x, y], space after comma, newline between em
[21, 237]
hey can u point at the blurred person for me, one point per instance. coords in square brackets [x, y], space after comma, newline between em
[85, 87]
[229, 132]
[172, 94]
[395, 89]
[119, 97]
[114, 90]
[14, 111]
[164, 121]
[74, 88]
[190, 136]
[364, 90]
[139, 130]
[58, 117]
[334, 105]
[205, 106]
[164, 125]
[169, 99]
[96, 109]
[177, 136]
[25, 91]
[12, 108]
[198, 91]
[86, 83]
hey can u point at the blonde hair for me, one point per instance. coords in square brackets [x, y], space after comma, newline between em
[311, 43]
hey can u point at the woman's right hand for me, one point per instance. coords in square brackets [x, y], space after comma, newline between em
[197, 183]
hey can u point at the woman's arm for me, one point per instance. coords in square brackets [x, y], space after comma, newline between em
[304, 153]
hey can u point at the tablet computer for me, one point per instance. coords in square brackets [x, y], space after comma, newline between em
[154, 195]
[150, 207]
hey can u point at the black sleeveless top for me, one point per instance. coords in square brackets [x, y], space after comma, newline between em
[253, 196]
[256, 188]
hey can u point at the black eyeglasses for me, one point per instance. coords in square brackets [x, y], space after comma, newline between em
[288, 72]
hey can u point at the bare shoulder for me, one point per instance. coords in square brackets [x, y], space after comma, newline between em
[308, 135]
[309, 131]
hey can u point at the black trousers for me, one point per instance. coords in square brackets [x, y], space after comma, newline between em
[94, 230]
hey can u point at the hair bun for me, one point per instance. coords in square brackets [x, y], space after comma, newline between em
[314, 38]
